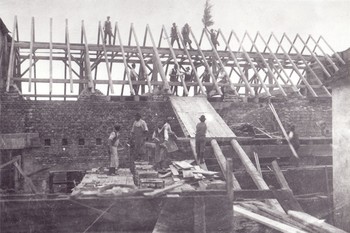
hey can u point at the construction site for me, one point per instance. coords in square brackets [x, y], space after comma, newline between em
[251, 90]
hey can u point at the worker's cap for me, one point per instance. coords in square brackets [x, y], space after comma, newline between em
[108, 17]
[174, 24]
[202, 118]
[169, 118]
[137, 115]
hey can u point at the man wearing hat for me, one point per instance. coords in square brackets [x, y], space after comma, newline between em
[201, 130]
[138, 133]
[108, 30]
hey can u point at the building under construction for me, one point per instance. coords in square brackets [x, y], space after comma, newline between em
[60, 101]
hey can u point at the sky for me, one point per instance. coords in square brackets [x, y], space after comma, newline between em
[327, 18]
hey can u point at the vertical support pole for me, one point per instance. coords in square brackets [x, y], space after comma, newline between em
[11, 61]
[50, 84]
[229, 180]
[31, 54]
[87, 60]
[69, 58]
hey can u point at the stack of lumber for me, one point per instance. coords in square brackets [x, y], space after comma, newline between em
[292, 221]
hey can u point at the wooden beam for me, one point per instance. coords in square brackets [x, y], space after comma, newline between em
[175, 60]
[50, 66]
[199, 215]
[31, 54]
[295, 89]
[266, 221]
[253, 172]
[252, 64]
[335, 53]
[194, 152]
[11, 59]
[313, 93]
[87, 59]
[69, 58]
[283, 130]
[9, 162]
[143, 65]
[158, 62]
[206, 64]
[220, 62]
[223, 164]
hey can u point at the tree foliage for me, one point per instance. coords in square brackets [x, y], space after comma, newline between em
[207, 17]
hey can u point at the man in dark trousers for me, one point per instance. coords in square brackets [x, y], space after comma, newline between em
[201, 131]
[108, 30]
[186, 35]
[174, 36]
[213, 38]
[134, 77]
[138, 135]
[113, 142]
[294, 138]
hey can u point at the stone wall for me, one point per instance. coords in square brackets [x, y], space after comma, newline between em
[312, 117]
[74, 134]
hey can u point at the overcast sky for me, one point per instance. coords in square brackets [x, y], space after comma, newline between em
[329, 18]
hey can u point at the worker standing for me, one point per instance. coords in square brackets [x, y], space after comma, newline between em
[293, 138]
[186, 35]
[174, 74]
[134, 77]
[108, 30]
[201, 130]
[160, 151]
[188, 79]
[138, 134]
[113, 142]
[174, 36]
[213, 38]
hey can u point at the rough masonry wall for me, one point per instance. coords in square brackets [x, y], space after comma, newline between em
[312, 117]
[88, 120]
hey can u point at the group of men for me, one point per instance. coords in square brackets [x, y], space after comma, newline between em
[163, 138]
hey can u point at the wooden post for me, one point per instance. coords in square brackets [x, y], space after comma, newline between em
[223, 164]
[50, 75]
[87, 59]
[69, 58]
[229, 180]
[11, 60]
[31, 54]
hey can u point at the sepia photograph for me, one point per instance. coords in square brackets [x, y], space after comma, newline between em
[163, 116]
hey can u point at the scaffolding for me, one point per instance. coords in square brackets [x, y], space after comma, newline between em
[255, 66]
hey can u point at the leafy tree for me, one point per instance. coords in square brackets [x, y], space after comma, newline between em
[207, 17]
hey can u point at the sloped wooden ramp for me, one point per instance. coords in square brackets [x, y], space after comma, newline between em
[189, 109]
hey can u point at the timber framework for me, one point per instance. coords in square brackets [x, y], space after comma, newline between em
[256, 66]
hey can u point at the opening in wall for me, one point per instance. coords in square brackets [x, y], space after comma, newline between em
[98, 141]
[47, 142]
[81, 142]
[64, 142]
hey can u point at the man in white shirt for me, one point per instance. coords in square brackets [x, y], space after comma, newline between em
[138, 134]
[113, 142]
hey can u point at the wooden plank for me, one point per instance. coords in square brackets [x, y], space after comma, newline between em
[50, 66]
[69, 58]
[31, 54]
[287, 200]
[266, 221]
[163, 191]
[257, 163]
[283, 130]
[279, 175]
[173, 170]
[223, 164]
[229, 179]
[314, 222]
[18, 140]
